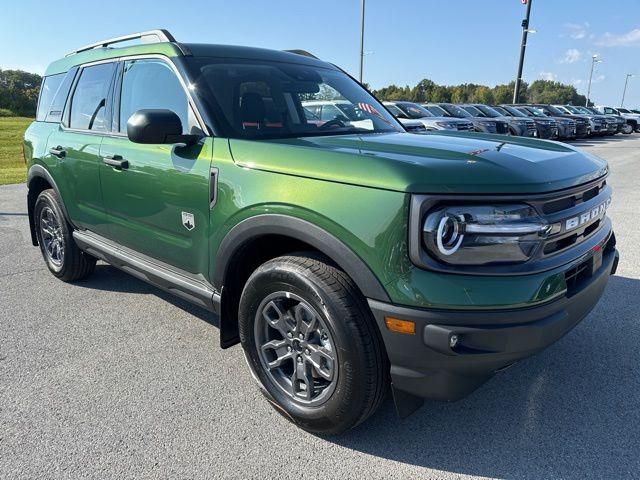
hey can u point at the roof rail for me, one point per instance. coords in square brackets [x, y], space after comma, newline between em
[302, 52]
[161, 36]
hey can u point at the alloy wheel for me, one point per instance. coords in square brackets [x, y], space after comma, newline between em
[296, 349]
[52, 237]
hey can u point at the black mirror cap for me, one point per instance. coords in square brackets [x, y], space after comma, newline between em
[157, 126]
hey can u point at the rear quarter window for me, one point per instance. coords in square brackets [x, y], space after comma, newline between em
[48, 91]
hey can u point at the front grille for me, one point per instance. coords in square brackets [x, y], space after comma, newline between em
[465, 126]
[576, 205]
[502, 127]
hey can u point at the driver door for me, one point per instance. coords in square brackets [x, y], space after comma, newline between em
[156, 197]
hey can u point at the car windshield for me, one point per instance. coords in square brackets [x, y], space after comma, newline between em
[623, 110]
[555, 111]
[502, 111]
[489, 111]
[514, 111]
[395, 111]
[536, 112]
[583, 110]
[414, 111]
[456, 111]
[255, 99]
[473, 111]
[572, 109]
[437, 111]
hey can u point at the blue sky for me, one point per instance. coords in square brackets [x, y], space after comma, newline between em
[452, 41]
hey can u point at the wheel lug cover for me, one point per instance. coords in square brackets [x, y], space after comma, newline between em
[299, 359]
[307, 351]
[288, 349]
[289, 334]
[301, 336]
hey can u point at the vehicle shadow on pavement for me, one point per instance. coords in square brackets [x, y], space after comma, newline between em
[111, 279]
[572, 411]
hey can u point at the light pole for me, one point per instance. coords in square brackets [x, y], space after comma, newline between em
[594, 60]
[624, 92]
[523, 46]
[361, 39]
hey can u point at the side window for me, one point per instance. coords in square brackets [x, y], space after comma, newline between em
[89, 102]
[151, 83]
[48, 91]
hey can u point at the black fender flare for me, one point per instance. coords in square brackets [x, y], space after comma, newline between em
[38, 171]
[302, 230]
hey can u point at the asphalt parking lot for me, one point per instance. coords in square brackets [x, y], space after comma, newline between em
[112, 378]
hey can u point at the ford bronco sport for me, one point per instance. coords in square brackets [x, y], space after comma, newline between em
[344, 257]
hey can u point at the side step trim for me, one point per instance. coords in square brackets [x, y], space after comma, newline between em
[196, 292]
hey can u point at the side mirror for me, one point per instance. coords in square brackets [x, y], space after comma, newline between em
[151, 126]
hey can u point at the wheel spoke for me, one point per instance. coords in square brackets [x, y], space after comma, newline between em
[279, 348]
[306, 321]
[302, 381]
[275, 317]
[322, 360]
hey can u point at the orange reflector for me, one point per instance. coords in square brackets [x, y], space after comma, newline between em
[400, 326]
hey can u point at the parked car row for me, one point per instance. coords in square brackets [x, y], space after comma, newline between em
[562, 122]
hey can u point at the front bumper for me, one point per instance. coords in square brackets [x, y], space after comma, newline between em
[425, 365]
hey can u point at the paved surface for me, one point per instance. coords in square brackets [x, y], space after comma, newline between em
[111, 378]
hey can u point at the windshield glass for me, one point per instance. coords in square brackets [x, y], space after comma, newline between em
[456, 111]
[256, 99]
[583, 110]
[555, 111]
[414, 111]
[437, 111]
[473, 111]
[623, 110]
[514, 111]
[572, 109]
[489, 111]
[395, 111]
[502, 111]
[536, 112]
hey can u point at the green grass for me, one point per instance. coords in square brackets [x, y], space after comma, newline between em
[12, 167]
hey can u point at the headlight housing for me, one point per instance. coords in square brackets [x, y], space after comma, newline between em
[483, 234]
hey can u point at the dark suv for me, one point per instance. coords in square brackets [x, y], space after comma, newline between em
[345, 254]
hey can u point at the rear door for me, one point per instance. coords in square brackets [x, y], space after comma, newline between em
[74, 149]
[158, 203]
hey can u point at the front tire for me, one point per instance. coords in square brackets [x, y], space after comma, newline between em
[312, 344]
[55, 237]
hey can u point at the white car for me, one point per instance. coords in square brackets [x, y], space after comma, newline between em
[341, 110]
[405, 111]
[632, 118]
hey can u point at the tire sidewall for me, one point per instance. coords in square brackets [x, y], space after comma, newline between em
[348, 351]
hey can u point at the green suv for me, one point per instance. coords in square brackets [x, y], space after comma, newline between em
[345, 257]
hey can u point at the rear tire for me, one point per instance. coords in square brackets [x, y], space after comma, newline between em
[55, 237]
[312, 343]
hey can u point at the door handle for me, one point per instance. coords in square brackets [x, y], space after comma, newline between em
[58, 152]
[116, 161]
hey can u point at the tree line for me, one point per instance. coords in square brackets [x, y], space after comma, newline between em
[19, 93]
[540, 91]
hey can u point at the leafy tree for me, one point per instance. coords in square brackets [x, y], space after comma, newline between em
[19, 91]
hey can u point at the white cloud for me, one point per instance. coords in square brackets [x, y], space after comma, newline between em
[548, 76]
[571, 56]
[577, 31]
[599, 78]
[576, 82]
[629, 39]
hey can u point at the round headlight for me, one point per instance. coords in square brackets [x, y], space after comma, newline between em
[449, 235]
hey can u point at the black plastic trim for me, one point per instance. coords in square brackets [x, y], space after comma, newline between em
[162, 276]
[41, 172]
[275, 224]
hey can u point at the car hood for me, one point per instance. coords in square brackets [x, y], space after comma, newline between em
[432, 163]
